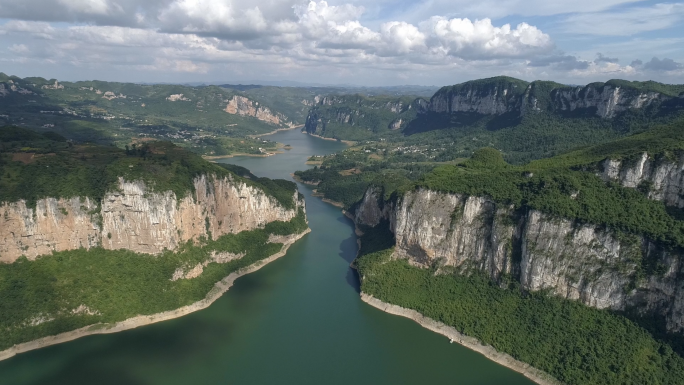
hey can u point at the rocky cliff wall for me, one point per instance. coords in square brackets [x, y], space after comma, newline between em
[608, 100]
[597, 266]
[660, 177]
[490, 101]
[242, 106]
[137, 219]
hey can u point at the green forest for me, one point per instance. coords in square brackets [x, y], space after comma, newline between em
[38, 298]
[574, 343]
[35, 166]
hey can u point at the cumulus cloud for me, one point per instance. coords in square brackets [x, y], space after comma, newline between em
[662, 65]
[201, 36]
[213, 17]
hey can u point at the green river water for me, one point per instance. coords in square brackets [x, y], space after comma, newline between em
[298, 320]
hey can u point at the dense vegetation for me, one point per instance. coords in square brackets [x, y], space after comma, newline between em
[567, 186]
[576, 344]
[544, 130]
[40, 298]
[117, 113]
[356, 117]
[35, 166]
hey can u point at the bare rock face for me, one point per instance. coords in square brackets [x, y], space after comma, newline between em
[242, 106]
[136, 219]
[662, 179]
[492, 101]
[597, 266]
[54, 224]
[608, 100]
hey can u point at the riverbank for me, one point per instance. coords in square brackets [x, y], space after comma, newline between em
[316, 194]
[215, 293]
[263, 155]
[536, 375]
[276, 131]
[347, 142]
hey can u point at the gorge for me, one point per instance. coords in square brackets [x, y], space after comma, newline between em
[300, 316]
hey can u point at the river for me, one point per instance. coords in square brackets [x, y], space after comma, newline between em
[298, 320]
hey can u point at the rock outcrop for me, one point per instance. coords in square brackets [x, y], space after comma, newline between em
[503, 95]
[660, 178]
[600, 267]
[608, 100]
[137, 219]
[242, 106]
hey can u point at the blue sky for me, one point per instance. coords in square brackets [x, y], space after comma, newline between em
[372, 42]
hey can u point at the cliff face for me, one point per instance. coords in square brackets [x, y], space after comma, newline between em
[495, 100]
[370, 113]
[136, 219]
[242, 106]
[597, 266]
[608, 100]
[662, 178]
[502, 95]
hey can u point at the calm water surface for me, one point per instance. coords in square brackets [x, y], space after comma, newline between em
[299, 320]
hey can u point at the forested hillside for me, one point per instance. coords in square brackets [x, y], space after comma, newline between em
[570, 264]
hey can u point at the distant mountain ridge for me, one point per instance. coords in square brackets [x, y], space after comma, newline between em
[499, 95]
[503, 112]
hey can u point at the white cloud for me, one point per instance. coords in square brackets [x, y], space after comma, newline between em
[627, 22]
[213, 17]
[18, 48]
[283, 37]
[481, 39]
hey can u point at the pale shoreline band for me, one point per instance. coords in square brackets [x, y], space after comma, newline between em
[534, 374]
[215, 293]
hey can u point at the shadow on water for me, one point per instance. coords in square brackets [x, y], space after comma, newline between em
[76, 373]
[98, 361]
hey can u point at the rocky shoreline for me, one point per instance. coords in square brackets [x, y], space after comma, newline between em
[536, 375]
[142, 320]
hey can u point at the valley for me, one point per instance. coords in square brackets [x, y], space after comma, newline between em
[493, 205]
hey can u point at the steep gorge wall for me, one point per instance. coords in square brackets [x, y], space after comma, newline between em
[662, 177]
[136, 219]
[608, 100]
[242, 106]
[597, 266]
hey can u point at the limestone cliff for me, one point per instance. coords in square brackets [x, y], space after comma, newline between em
[135, 218]
[607, 99]
[661, 178]
[597, 266]
[242, 106]
[501, 95]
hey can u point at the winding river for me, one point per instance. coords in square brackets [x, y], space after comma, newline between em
[298, 320]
